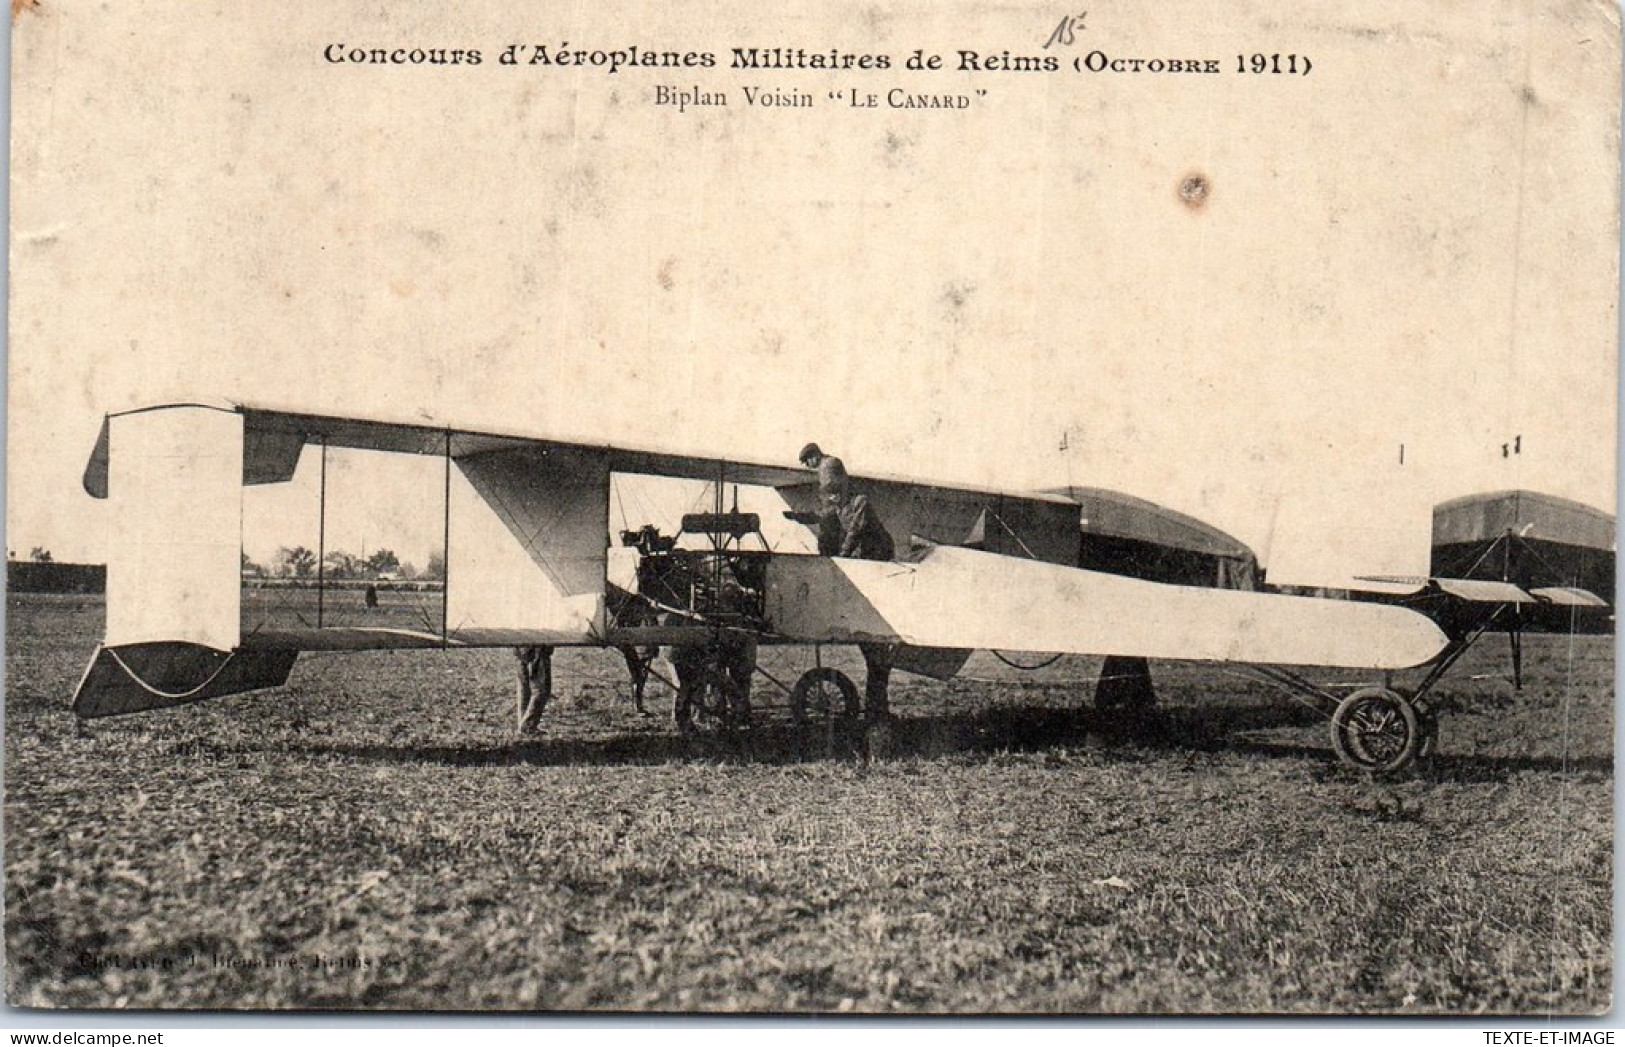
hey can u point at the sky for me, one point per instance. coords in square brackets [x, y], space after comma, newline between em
[1414, 246]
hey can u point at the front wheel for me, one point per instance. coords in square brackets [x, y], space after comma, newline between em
[1377, 730]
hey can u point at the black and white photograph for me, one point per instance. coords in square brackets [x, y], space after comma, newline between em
[823, 509]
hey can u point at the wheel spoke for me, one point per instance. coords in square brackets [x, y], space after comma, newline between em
[823, 696]
[1376, 730]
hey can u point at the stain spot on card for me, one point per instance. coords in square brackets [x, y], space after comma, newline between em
[957, 294]
[43, 237]
[18, 7]
[1194, 189]
[897, 149]
[581, 187]
[1528, 95]
[664, 276]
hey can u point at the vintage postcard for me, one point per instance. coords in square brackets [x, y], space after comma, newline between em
[844, 507]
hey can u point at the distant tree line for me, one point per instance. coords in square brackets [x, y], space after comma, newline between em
[338, 565]
[45, 575]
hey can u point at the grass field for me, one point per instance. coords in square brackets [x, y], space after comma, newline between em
[372, 837]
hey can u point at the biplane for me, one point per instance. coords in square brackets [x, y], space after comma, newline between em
[1509, 562]
[975, 569]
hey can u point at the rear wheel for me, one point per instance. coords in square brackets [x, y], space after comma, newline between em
[824, 696]
[1377, 730]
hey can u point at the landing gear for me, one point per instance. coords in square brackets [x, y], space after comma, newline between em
[1379, 730]
[824, 696]
[1427, 719]
[825, 708]
[711, 698]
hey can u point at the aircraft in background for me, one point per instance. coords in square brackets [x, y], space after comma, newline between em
[1510, 562]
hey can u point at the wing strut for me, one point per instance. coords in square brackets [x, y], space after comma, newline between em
[1515, 638]
[321, 539]
[445, 551]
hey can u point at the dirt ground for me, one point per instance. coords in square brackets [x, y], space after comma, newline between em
[372, 836]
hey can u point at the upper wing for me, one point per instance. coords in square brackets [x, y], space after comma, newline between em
[274, 438]
[524, 476]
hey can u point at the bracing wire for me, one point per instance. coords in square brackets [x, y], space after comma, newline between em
[177, 696]
[1051, 660]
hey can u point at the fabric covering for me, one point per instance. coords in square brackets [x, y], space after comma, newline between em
[1524, 514]
[1122, 534]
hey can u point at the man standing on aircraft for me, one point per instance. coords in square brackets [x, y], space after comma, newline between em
[848, 525]
[832, 482]
[863, 536]
[832, 491]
